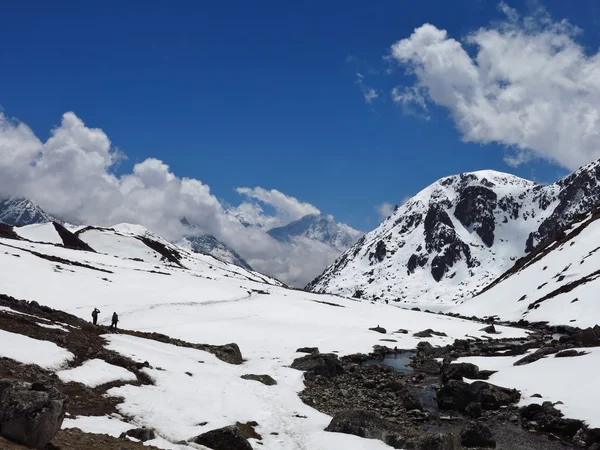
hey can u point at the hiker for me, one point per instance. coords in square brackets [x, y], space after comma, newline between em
[95, 316]
[115, 319]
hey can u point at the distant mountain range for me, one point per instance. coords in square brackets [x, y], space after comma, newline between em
[457, 235]
[319, 228]
[19, 211]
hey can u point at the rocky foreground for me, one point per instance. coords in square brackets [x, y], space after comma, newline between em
[434, 408]
[427, 406]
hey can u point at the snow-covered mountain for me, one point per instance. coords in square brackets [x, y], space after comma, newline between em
[557, 283]
[319, 228]
[210, 245]
[457, 235]
[207, 244]
[20, 211]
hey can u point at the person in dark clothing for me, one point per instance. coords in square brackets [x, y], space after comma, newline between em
[115, 319]
[95, 316]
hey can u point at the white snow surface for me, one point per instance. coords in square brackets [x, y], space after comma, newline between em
[53, 327]
[572, 381]
[26, 350]
[96, 372]
[215, 304]
[565, 263]
[39, 232]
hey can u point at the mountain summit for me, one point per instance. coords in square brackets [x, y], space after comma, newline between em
[457, 235]
[20, 211]
[319, 228]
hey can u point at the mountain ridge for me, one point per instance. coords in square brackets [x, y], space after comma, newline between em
[458, 234]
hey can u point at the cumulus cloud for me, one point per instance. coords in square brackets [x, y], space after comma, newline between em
[288, 208]
[525, 83]
[70, 175]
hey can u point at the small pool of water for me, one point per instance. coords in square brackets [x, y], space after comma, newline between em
[399, 361]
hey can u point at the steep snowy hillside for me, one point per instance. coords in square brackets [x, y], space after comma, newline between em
[557, 283]
[19, 212]
[457, 235]
[319, 228]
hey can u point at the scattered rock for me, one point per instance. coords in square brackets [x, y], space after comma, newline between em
[379, 329]
[429, 333]
[458, 371]
[227, 438]
[248, 430]
[324, 364]
[30, 413]
[456, 395]
[264, 379]
[141, 434]
[475, 434]
[569, 354]
[491, 329]
[474, 410]
[312, 350]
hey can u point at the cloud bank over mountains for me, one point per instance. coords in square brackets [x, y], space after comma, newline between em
[71, 176]
[524, 82]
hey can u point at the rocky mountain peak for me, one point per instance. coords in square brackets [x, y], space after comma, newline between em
[20, 211]
[457, 235]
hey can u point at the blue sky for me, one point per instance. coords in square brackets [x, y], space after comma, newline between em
[258, 93]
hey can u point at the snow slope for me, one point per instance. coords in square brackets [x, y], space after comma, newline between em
[549, 378]
[457, 235]
[40, 232]
[558, 283]
[214, 305]
[33, 351]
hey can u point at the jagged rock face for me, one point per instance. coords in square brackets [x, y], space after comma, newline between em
[457, 235]
[209, 245]
[19, 212]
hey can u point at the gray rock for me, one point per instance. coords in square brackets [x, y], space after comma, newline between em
[264, 379]
[227, 438]
[324, 364]
[30, 414]
[312, 350]
[141, 434]
[475, 434]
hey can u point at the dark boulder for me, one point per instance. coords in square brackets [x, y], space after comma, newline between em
[312, 350]
[227, 438]
[458, 371]
[457, 395]
[429, 333]
[365, 424]
[141, 434]
[264, 379]
[474, 410]
[324, 364]
[549, 419]
[378, 329]
[490, 329]
[475, 434]
[30, 414]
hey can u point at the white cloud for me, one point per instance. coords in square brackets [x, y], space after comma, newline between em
[384, 210]
[525, 83]
[287, 208]
[369, 93]
[70, 176]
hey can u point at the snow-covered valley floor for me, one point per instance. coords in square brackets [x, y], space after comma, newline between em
[209, 302]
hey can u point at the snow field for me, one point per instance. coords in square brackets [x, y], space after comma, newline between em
[96, 372]
[26, 350]
[572, 381]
